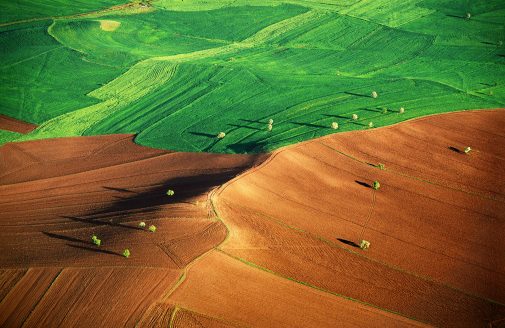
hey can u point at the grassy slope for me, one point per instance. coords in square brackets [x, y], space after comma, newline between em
[304, 65]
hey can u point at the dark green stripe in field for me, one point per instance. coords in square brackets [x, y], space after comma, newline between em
[178, 77]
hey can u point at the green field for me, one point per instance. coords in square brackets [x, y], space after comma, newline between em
[178, 74]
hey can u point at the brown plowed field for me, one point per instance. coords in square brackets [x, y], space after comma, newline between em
[244, 244]
[11, 124]
[435, 226]
[55, 194]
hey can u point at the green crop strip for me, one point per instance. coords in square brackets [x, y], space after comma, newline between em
[179, 74]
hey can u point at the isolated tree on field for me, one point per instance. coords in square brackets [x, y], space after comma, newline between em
[376, 185]
[384, 110]
[370, 125]
[375, 94]
[381, 166]
[468, 150]
[142, 224]
[355, 116]
[152, 228]
[170, 192]
[402, 110]
[221, 135]
[270, 121]
[270, 127]
[334, 125]
[95, 240]
[468, 15]
[126, 253]
[364, 244]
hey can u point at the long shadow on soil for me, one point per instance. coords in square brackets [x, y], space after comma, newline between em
[123, 214]
[348, 242]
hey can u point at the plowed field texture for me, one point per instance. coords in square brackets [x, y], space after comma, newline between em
[252, 163]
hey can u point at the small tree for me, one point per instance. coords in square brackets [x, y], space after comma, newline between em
[152, 228]
[170, 192]
[334, 125]
[468, 150]
[370, 125]
[402, 110]
[376, 185]
[126, 253]
[355, 116]
[142, 224]
[270, 127]
[270, 121]
[364, 244]
[221, 135]
[95, 240]
[375, 94]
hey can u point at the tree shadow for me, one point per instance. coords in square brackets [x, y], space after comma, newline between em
[310, 125]
[248, 147]
[245, 126]
[62, 237]
[118, 189]
[96, 250]
[357, 94]
[337, 116]
[99, 222]
[456, 16]
[456, 150]
[348, 242]
[253, 121]
[488, 84]
[201, 134]
[364, 184]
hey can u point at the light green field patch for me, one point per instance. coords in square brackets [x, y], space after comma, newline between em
[109, 25]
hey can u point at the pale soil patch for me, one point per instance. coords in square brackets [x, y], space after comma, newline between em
[109, 25]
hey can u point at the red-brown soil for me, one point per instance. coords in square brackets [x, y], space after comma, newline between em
[435, 226]
[11, 124]
[55, 194]
[281, 252]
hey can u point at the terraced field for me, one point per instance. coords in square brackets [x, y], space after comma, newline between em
[178, 73]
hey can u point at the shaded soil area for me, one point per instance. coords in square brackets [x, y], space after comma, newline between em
[435, 225]
[56, 194]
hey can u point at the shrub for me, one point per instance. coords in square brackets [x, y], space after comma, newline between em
[334, 125]
[269, 127]
[355, 116]
[170, 192]
[375, 94]
[96, 241]
[221, 135]
[142, 224]
[364, 244]
[370, 125]
[126, 253]
[402, 110]
[152, 228]
[270, 121]
[467, 150]
[376, 185]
